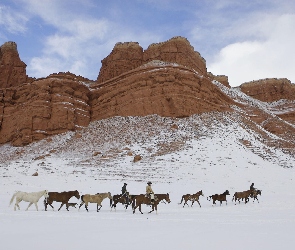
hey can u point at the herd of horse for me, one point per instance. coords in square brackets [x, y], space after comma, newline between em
[136, 201]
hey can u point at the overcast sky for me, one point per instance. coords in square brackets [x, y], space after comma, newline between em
[243, 39]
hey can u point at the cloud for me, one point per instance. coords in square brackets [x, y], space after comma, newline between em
[13, 21]
[266, 51]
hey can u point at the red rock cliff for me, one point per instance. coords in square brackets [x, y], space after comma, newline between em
[12, 69]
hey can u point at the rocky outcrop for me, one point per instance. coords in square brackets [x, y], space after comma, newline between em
[130, 55]
[124, 57]
[270, 89]
[176, 50]
[219, 78]
[159, 88]
[280, 94]
[12, 69]
[45, 107]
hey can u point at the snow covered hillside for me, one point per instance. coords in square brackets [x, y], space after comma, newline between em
[212, 152]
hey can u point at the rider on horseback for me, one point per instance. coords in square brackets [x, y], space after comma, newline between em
[149, 192]
[125, 194]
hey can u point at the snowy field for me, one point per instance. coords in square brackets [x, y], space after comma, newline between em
[204, 165]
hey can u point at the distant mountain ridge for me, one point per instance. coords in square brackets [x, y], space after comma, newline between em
[169, 79]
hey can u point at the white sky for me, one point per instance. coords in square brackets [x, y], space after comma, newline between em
[245, 40]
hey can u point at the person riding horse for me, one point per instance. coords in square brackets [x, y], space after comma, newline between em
[149, 192]
[252, 188]
[125, 193]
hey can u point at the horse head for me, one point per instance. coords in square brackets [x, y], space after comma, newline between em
[226, 192]
[46, 195]
[110, 196]
[77, 195]
[201, 193]
[167, 198]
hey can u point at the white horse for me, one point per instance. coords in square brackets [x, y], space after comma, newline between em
[29, 197]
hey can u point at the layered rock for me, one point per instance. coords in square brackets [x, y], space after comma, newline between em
[130, 55]
[12, 69]
[124, 57]
[279, 93]
[157, 88]
[176, 50]
[45, 107]
[270, 89]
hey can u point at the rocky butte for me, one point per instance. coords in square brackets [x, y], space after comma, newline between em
[168, 78]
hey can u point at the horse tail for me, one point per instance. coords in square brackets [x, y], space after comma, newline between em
[111, 202]
[209, 198]
[12, 198]
[82, 196]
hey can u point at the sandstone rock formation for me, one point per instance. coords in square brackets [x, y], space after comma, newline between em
[270, 89]
[45, 107]
[130, 55]
[280, 93]
[159, 88]
[12, 69]
[169, 79]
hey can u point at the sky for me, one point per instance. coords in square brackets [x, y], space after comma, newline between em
[245, 40]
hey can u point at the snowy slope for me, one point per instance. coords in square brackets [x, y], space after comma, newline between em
[210, 152]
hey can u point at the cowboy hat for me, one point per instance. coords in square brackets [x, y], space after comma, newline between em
[149, 182]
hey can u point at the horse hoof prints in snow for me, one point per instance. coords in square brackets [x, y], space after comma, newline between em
[28, 197]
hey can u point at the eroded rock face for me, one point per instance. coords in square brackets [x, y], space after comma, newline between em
[12, 69]
[157, 88]
[130, 55]
[45, 107]
[124, 57]
[176, 50]
[270, 89]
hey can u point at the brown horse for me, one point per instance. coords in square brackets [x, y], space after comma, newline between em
[219, 197]
[192, 198]
[96, 198]
[242, 195]
[62, 197]
[255, 193]
[142, 199]
[119, 198]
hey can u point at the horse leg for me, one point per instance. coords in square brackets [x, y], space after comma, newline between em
[16, 204]
[134, 207]
[81, 204]
[99, 207]
[152, 209]
[29, 206]
[36, 206]
[139, 207]
[199, 203]
[67, 206]
[61, 206]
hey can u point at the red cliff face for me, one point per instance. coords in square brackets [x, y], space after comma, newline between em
[12, 69]
[130, 55]
[124, 57]
[270, 89]
[45, 107]
[169, 79]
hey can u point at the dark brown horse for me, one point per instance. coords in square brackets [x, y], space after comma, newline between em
[62, 197]
[255, 193]
[119, 198]
[192, 198]
[142, 199]
[219, 197]
[242, 195]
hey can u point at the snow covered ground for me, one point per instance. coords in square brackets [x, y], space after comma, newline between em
[212, 160]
